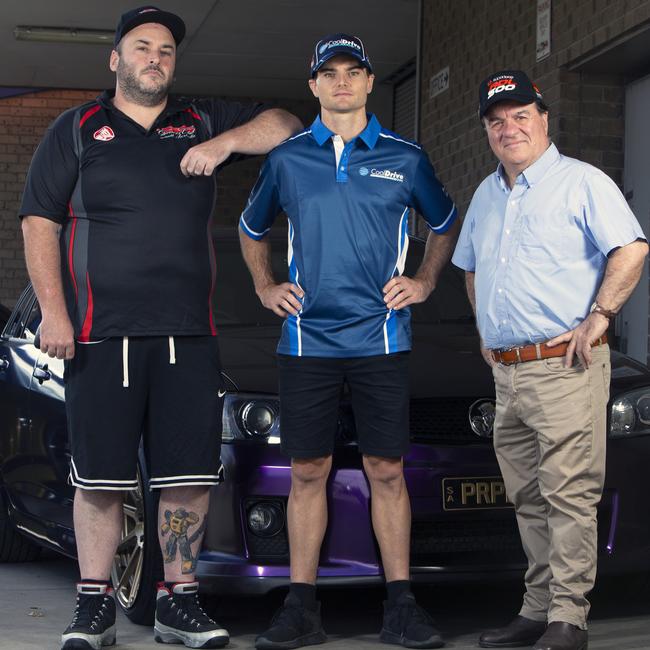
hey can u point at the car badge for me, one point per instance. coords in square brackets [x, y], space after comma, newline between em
[104, 134]
[481, 417]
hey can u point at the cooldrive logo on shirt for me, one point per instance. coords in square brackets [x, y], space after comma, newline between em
[388, 174]
[104, 134]
[338, 42]
[499, 84]
[176, 132]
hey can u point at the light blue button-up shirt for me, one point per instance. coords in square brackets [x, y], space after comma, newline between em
[539, 251]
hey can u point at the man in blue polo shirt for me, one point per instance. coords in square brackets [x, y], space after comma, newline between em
[346, 185]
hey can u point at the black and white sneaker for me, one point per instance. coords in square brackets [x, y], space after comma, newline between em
[180, 619]
[93, 623]
[408, 625]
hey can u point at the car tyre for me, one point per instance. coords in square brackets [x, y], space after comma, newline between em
[138, 562]
[14, 547]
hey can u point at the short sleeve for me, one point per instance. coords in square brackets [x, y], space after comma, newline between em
[263, 204]
[464, 256]
[226, 115]
[52, 173]
[430, 198]
[610, 222]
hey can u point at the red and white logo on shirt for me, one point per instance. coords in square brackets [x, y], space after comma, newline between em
[104, 134]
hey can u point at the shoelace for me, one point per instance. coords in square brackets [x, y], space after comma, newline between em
[88, 611]
[189, 608]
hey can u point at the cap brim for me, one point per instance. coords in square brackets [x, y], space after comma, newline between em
[171, 21]
[508, 97]
[343, 52]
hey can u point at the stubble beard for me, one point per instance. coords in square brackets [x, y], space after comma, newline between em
[135, 91]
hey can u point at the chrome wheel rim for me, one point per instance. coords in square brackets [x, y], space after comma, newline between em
[126, 572]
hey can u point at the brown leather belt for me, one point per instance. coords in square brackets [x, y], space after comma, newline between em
[535, 352]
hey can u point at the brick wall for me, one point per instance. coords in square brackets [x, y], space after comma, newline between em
[23, 120]
[477, 37]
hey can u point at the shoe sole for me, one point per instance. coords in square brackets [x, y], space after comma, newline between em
[309, 639]
[512, 644]
[87, 642]
[164, 634]
[397, 639]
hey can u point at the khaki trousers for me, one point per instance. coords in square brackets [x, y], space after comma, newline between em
[550, 439]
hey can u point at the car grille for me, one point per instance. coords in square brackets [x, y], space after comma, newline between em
[444, 419]
[437, 540]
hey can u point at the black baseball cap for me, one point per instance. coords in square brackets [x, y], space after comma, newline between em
[149, 14]
[510, 85]
[336, 44]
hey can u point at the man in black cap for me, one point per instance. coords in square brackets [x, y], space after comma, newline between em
[346, 185]
[116, 220]
[551, 252]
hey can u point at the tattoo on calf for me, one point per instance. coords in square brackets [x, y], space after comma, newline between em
[177, 524]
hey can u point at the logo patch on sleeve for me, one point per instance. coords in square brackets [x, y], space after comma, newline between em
[104, 134]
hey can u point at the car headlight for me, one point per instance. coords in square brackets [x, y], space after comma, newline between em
[247, 417]
[630, 414]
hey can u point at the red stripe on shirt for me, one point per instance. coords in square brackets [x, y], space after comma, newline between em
[89, 113]
[73, 230]
[84, 335]
[193, 114]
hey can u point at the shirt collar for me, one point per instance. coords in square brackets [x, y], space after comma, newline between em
[535, 172]
[369, 135]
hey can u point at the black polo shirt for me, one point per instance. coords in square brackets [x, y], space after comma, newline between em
[136, 245]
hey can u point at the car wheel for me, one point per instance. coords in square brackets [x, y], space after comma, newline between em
[138, 562]
[14, 547]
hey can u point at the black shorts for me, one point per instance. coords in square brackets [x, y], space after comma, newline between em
[165, 390]
[310, 389]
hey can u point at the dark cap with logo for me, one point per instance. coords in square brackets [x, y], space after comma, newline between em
[149, 14]
[337, 44]
[508, 85]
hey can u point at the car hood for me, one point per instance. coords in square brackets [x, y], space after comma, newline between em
[445, 360]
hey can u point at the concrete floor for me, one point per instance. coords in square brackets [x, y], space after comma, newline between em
[37, 599]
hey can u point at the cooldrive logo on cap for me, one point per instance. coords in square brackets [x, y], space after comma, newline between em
[144, 11]
[499, 84]
[340, 42]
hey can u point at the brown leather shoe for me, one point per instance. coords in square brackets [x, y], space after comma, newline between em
[562, 636]
[521, 631]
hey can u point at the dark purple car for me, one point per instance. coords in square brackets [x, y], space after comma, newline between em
[463, 527]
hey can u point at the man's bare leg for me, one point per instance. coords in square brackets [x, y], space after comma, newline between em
[307, 516]
[97, 528]
[181, 526]
[391, 514]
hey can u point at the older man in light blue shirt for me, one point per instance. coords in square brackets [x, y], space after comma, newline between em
[551, 252]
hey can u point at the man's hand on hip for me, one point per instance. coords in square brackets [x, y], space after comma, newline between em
[57, 337]
[401, 291]
[203, 159]
[282, 299]
[581, 338]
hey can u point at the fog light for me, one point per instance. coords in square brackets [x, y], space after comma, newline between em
[257, 419]
[265, 519]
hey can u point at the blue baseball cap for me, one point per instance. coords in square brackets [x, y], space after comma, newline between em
[337, 44]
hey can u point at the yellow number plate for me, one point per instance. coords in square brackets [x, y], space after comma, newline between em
[474, 493]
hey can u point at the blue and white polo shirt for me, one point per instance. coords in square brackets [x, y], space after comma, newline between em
[347, 206]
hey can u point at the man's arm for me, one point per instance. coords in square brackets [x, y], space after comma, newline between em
[259, 136]
[471, 295]
[401, 291]
[44, 266]
[621, 276]
[283, 298]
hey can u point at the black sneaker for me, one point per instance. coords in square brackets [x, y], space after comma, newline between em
[180, 619]
[93, 623]
[292, 626]
[408, 625]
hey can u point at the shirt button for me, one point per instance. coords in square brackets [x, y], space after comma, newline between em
[513, 202]
[504, 322]
[342, 167]
[503, 260]
[500, 290]
[507, 231]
